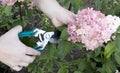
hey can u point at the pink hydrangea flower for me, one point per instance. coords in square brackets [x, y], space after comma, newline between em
[92, 28]
[112, 23]
[8, 2]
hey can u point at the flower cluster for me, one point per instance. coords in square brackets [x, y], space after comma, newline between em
[92, 28]
[12, 2]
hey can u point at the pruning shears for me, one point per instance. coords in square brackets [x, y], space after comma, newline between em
[43, 37]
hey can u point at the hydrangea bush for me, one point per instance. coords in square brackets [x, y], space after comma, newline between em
[92, 28]
[88, 44]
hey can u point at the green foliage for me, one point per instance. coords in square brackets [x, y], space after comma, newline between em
[117, 41]
[109, 49]
[67, 56]
[63, 70]
[64, 47]
[108, 6]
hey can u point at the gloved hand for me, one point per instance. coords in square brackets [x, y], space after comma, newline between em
[55, 12]
[14, 53]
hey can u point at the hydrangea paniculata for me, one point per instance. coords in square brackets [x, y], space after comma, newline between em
[92, 28]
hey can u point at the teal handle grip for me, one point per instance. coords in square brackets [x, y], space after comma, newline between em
[29, 33]
[37, 48]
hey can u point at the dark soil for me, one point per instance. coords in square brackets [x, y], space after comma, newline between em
[22, 71]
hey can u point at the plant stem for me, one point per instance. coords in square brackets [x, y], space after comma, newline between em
[20, 11]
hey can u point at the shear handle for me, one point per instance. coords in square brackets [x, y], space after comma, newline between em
[29, 33]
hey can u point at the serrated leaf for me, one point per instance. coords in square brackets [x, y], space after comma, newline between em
[109, 66]
[64, 48]
[109, 49]
[117, 41]
[97, 51]
[82, 65]
[117, 57]
[51, 51]
[64, 34]
[79, 45]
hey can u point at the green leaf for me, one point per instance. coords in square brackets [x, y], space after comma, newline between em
[77, 5]
[64, 48]
[77, 72]
[117, 57]
[7, 10]
[98, 4]
[42, 58]
[118, 30]
[87, 66]
[109, 66]
[82, 65]
[101, 70]
[63, 70]
[51, 51]
[49, 67]
[109, 49]
[79, 45]
[97, 51]
[117, 41]
[64, 34]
